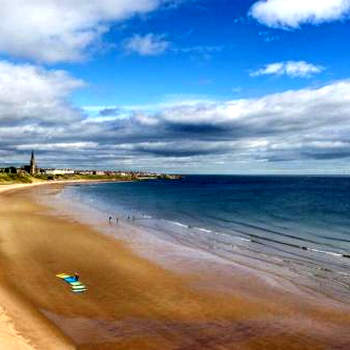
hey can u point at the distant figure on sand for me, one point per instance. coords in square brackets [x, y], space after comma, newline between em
[117, 219]
[110, 219]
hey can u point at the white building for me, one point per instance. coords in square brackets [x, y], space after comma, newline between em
[58, 171]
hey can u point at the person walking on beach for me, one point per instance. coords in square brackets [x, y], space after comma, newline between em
[110, 219]
[117, 219]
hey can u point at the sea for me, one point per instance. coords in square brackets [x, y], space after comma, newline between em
[296, 224]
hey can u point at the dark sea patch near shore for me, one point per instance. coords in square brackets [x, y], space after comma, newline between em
[300, 223]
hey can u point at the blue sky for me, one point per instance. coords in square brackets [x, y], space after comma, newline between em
[197, 86]
[214, 46]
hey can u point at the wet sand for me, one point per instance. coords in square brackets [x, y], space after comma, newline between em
[134, 303]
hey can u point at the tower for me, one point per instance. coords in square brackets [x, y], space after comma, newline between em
[32, 164]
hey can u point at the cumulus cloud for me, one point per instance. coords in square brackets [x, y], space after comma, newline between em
[33, 93]
[297, 125]
[147, 45]
[294, 69]
[61, 30]
[292, 14]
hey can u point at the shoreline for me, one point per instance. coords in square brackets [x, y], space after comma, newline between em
[19, 186]
[181, 313]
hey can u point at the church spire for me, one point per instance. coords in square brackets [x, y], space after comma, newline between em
[32, 164]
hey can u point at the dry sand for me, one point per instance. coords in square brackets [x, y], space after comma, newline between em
[133, 303]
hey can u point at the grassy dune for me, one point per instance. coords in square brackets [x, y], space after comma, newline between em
[15, 178]
[6, 179]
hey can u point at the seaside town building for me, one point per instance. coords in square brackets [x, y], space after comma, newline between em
[84, 172]
[58, 171]
[9, 170]
[31, 168]
[34, 170]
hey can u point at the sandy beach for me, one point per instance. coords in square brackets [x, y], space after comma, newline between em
[134, 303]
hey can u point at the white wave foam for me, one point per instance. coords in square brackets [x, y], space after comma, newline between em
[178, 224]
[325, 252]
[204, 230]
[243, 239]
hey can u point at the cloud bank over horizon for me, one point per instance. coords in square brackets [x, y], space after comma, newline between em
[306, 124]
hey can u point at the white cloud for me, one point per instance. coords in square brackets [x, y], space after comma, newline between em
[294, 69]
[30, 92]
[293, 13]
[147, 45]
[303, 107]
[58, 146]
[61, 30]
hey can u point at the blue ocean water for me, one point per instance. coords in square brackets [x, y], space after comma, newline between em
[300, 219]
